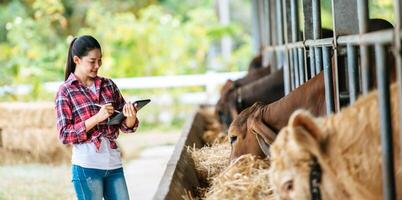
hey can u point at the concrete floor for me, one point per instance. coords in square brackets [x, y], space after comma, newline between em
[144, 174]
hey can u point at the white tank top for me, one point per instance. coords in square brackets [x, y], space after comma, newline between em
[106, 158]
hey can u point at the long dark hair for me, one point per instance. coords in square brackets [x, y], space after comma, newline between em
[79, 47]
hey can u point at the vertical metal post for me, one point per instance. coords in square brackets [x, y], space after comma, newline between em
[398, 21]
[386, 126]
[296, 67]
[352, 73]
[312, 62]
[291, 70]
[281, 55]
[279, 21]
[294, 20]
[335, 60]
[317, 33]
[286, 70]
[308, 20]
[316, 19]
[301, 66]
[318, 60]
[362, 14]
[345, 17]
[307, 35]
[267, 12]
[329, 97]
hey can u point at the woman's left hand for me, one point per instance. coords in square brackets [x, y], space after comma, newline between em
[130, 111]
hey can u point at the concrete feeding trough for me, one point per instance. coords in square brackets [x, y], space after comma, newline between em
[180, 175]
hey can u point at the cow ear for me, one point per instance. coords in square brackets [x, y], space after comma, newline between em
[302, 118]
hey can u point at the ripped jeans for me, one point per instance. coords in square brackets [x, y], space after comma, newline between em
[93, 184]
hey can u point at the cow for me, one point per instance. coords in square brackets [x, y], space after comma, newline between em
[267, 89]
[255, 72]
[258, 125]
[335, 157]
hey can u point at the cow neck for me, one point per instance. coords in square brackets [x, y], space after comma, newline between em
[309, 96]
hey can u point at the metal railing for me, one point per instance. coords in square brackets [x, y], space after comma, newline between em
[303, 58]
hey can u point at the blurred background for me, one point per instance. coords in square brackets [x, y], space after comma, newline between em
[176, 52]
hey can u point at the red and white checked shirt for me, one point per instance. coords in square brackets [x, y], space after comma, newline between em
[75, 103]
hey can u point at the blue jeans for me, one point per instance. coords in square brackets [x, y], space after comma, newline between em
[93, 184]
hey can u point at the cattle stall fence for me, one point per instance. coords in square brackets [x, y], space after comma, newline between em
[304, 54]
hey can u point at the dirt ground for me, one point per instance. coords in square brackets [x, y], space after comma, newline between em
[39, 181]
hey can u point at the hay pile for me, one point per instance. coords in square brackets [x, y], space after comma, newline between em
[213, 129]
[246, 178]
[29, 134]
[209, 161]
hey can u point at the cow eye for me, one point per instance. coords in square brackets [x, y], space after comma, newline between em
[233, 139]
[288, 186]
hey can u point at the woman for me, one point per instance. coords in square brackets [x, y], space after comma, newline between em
[96, 163]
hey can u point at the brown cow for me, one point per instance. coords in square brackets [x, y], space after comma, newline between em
[343, 149]
[267, 89]
[265, 121]
[255, 72]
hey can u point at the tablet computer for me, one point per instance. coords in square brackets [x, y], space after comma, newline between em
[118, 118]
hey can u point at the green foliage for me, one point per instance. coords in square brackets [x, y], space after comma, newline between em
[138, 38]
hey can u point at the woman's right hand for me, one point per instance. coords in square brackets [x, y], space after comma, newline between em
[105, 112]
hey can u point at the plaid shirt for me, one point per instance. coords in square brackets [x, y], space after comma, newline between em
[75, 104]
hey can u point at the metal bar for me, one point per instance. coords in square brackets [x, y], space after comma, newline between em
[273, 22]
[268, 21]
[377, 37]
[345, 17]
[335, 56]
[296, 67]
[291, 70]
[367, 39]
[316, 19]
[308, 20]
[352, 73]
[287, 14]
[386, 126]
[318, 60]
[398, 60]
[362, 16]
[329, 97]
[286, 73]
[279, 21]
[312, 62]
[319, 42]
[301, 66]
[365, 68]
[294, 20]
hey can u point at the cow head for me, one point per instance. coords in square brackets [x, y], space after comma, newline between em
[225, 108]
[249, 135]
[295, 150]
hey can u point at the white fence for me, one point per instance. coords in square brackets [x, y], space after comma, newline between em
[210, 80]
